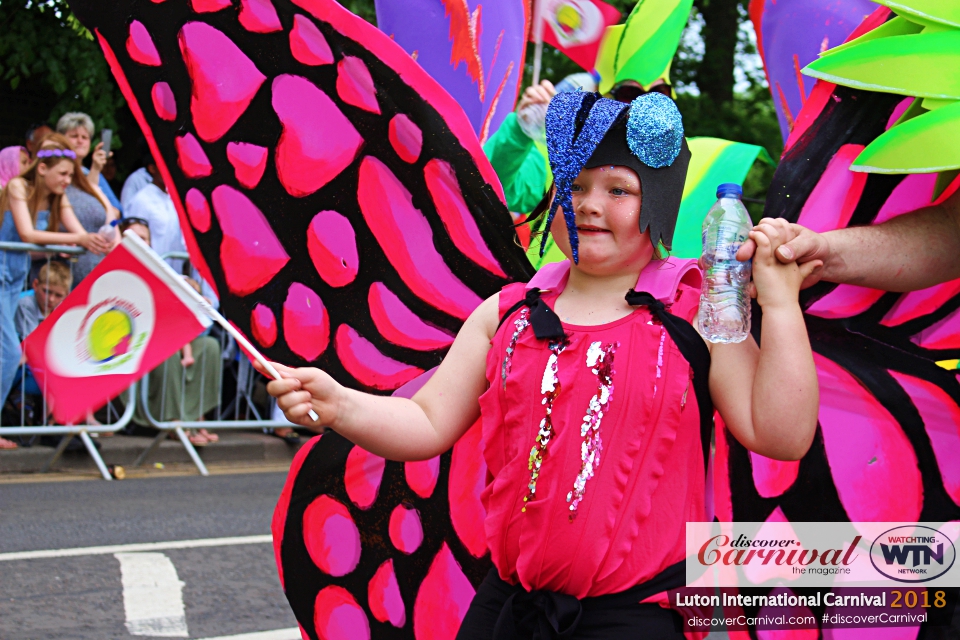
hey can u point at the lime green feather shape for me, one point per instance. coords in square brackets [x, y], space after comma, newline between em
[896, 26]
[929, 143]
[923, 65]
[926, 11]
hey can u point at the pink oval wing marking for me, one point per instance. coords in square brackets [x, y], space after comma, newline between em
[383, 595]
[224, 79]
[371, 368]
[249, 161]
[845, 301]
[163, 101]
[401, 326]
[422, 475]
[832, 202]
[317, 143]
[263, 324]
[406, 532]
[191, 157]
[306, 325]
[944, 334]
[448, 199]
[871, 461]
[337, 616]
[251, 254]
[331, 537]
[332, 245]
[468, 477]
[443, 599]
[140, 45]
[773, 477]
[307, 44]
[259, 16]
[913, 192]
[362, 476]
[912, 305]
[405, 236]
[406, 137]
[198, 210]
[209, 6]
[355, 84]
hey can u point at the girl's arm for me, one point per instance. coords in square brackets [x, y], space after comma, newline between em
[768, 397]
[397, 428]
[28, 233]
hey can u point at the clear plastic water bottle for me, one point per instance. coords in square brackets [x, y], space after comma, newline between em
[532, 120]
[724, 314]
[109, 231]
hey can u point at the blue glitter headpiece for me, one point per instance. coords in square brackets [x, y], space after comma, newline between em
[586, 131]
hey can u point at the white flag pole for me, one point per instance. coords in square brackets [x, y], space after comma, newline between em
[143, 251]
[537, 39]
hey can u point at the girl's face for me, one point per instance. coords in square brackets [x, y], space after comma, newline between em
[56, 177]
[80, 141]
[606, 201]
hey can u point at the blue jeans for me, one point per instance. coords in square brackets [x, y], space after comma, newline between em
[13, 274]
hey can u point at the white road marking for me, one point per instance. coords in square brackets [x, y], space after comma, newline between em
[152, 595]
[132, 548]
[280, 634]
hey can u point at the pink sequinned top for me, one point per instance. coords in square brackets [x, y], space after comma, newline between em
[593, 446]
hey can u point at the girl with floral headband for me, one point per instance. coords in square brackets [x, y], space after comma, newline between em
[35, 210]
[595, 392]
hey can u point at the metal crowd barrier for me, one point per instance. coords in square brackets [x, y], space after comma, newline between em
[239, 413]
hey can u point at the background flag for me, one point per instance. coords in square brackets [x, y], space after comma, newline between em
[576, 27]
[128, 316]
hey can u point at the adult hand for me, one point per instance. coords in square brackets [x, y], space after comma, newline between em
[537, 94]
[99, 159]
[304, 389]
[793, 243]
[777, 282]
[94, 243]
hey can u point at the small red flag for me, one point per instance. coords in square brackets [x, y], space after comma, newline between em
[576, 27]
[129, 315]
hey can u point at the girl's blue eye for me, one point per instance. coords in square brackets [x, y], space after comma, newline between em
[575, 187]
[618, 192]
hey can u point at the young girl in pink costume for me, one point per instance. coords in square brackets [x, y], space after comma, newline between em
[595, 393]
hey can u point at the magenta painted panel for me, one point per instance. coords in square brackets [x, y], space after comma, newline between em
[773, 477]
[259, 16]
[898, 111]
[913, 192]
[337, 616]
[209, 6]
[371, 368]
[406, 532]
[362, 476]
[941, 418]
[331, 536]
[871, 461]
[422, 475]
[383, 594]
[447, 198]
[355, 84]
[406, 137]
[833, 200]
[306, 325]
[263, 325]
[140, 45]
[401, 326]
[163, 101]
[317, 143]
[332, 245]
[198, 210]
[468, 477]
[307, 43]
[279, 521]
[249, 162]
[920, 303]
[224, 79]
[941, 335]
[845, 301]
[251, 254]
[443, 599]
[191, 157]
[407, 240]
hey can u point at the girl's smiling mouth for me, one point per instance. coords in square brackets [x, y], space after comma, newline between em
[589, 229]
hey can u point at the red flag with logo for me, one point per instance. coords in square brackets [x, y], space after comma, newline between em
[576, 27]
[129, 315]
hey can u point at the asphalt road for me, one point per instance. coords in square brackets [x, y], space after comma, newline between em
[221, 590]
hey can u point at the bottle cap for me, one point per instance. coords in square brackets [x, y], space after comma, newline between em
[729, 190]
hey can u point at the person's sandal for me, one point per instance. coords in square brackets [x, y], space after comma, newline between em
[198, 439]
[212, 437]
[291, 437]
[8, 445]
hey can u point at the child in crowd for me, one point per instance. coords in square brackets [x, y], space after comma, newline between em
[597, 353]
[50, 287]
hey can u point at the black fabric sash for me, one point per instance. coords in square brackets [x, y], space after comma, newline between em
[548, 615]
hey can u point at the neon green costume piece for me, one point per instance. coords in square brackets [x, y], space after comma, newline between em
[522, 167]
[916, 54]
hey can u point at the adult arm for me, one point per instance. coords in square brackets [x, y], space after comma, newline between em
[399, 428]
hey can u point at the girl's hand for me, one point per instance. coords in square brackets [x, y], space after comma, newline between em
[777, 285]
[304, 389]
[94, 243]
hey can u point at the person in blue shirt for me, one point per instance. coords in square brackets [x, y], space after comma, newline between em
[79, 129]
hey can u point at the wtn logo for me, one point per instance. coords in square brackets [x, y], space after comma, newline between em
[922, 554]
[913, 553]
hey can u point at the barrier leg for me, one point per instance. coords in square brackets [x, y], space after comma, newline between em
[153, 445]
[64, 441]
[92, 450]
[190, 450]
